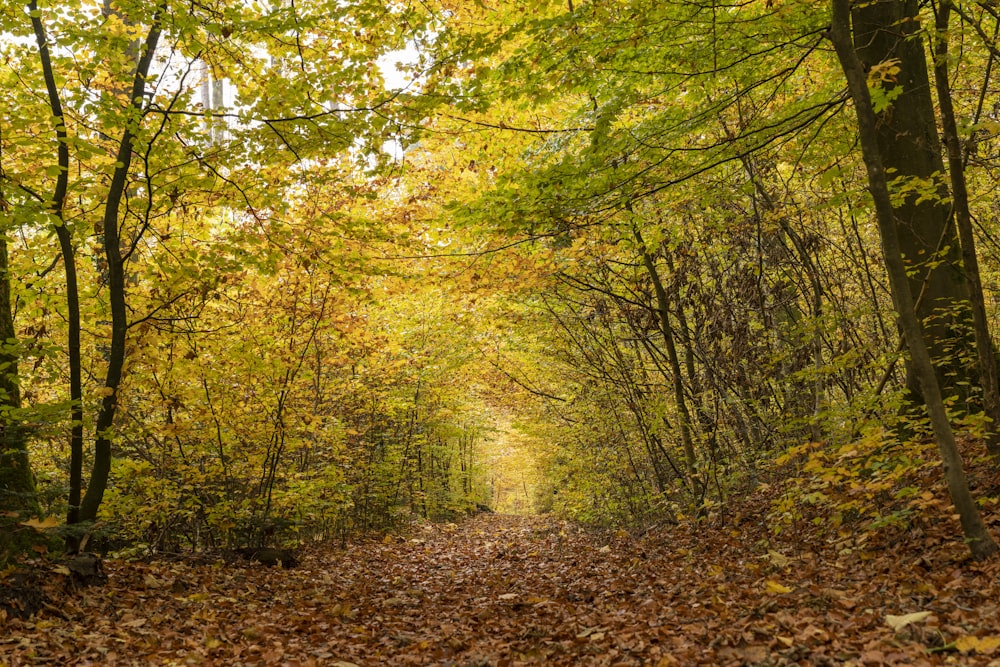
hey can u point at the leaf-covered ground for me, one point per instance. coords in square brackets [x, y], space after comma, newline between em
[503, 590]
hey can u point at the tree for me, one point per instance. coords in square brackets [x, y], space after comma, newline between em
[962, 216]
[726, 126]
[55, 207]
[888, 42]
[870, 24]
[130, 146]
[17, 483]
[17, 486]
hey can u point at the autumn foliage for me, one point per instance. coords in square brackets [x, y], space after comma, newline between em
[710, 289]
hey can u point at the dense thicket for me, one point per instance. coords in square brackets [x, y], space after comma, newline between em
[724, 288]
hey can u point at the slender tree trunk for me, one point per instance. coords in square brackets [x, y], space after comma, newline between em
[17, 485]
[69, 265]
[662, 307]
[963, 219]
[101, 470]
[889, 48]
[980, 542]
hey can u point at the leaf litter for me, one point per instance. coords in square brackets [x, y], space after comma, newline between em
[501, 591]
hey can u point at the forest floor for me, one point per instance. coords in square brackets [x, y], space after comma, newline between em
[503, 590]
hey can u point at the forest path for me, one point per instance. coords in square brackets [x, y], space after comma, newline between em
[502, 590]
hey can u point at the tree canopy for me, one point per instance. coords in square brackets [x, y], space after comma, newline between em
[278, 271]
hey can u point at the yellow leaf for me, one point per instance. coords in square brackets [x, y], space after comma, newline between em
[668, 661]
[47, 522]
[981, 645]
[778, 559]
[897, 623]
[774, 587]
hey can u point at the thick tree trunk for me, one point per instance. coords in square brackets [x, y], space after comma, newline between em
[980, 542]
[890, 49]
[17, 484]
[963, 219]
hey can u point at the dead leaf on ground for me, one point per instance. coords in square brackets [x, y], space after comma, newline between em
[980, 645]
[897, 623]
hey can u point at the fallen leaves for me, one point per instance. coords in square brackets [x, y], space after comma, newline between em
[42, 524]
[897, 623]
[506, 591]
[774, 587]
[980, 645]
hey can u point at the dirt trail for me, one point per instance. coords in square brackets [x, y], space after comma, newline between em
[500, 590]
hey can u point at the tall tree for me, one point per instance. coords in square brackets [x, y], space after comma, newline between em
[962, 215]
[17, 487]
[888, 42]
[116, 256]
[55, 207]
[851, 39]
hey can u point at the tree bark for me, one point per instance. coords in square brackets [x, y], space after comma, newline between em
[980, 542]
[662, 308]
[101, 471]
[963, 220]
[17, 485]
[69, 264]
[888, 47]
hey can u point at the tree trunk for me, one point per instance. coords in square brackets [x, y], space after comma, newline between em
[980, 542]
[101, 471]
[17, 486]
[662, 308]
[69, 264]
[890, 50]
[963, 219]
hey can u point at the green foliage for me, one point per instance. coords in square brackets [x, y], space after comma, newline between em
[624, 263]
[712, 146]
[881, 85]
[262, 396]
